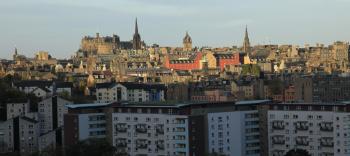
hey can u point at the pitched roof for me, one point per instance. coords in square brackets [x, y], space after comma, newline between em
[42, 88]
[105, 85]
[33, 83]
[43, 84]
[29, 119]
[60, 84]
[183, 73]
[131, 85]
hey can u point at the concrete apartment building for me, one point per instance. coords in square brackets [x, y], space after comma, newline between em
[84, 121]
[235, 132]
[146, 128]
[51, 112]
[27, 131]
[126, 91]
[20, 109]
[246, 128]
[321, 129]
[19, 134]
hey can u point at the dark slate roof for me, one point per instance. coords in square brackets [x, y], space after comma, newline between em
[29, 119]
[43, 84]
[33, 83]
[183, 73]
[60, 84]
[132, 85]
[43, 88]
[105, 85]
[223, 55]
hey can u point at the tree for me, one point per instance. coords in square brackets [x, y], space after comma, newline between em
[276, 86]
[298, 152]
[91, 147]
[250, 69]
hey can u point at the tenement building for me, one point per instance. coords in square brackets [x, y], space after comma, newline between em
[321, 129]
[245, 128]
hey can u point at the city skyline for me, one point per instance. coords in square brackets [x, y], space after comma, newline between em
[64, 23]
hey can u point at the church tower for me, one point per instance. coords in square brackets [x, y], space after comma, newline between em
[246, 43]
[15, 54]
[136, 42]
[187, 42]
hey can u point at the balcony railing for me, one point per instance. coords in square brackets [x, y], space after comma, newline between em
[278, 153]
[141, 128]
[326, 126]
[160, 129]
[121, 142]
[303, 141]
[179, 121]
[278, 140]
[327, 142]
[301, 126]
[121, 128]
[142, 143]
[278, 125]
[327, 154]
[160, 145]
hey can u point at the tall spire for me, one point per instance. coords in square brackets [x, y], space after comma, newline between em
[136, 27]
[137, 38]
[14, 56]
[246, 32]
[246, 43]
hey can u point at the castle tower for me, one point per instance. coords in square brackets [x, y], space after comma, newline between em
[136, 42]
[187, 42]
[246, 43]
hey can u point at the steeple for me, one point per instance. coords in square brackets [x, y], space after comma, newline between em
[15, 54]
[136, 42]
[246, 43]
[136, 27]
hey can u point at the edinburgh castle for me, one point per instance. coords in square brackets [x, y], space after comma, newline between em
[100, 45]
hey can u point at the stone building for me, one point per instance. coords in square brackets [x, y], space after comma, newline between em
[99, 45]
[340, 51]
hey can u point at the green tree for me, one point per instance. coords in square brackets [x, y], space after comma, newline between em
[275, 86]
[250, 69]
[246, 69]
[255, 70]
[91, 147]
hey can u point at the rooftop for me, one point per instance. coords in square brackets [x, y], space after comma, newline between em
[252, 102]
[90, 105]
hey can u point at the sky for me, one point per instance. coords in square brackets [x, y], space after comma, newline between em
[57, 26]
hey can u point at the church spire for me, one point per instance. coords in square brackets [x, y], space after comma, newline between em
[137, 38]
[246, 43]
[15, 54]
[136, 27]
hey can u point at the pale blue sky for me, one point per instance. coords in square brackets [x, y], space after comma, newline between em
[57, 26]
